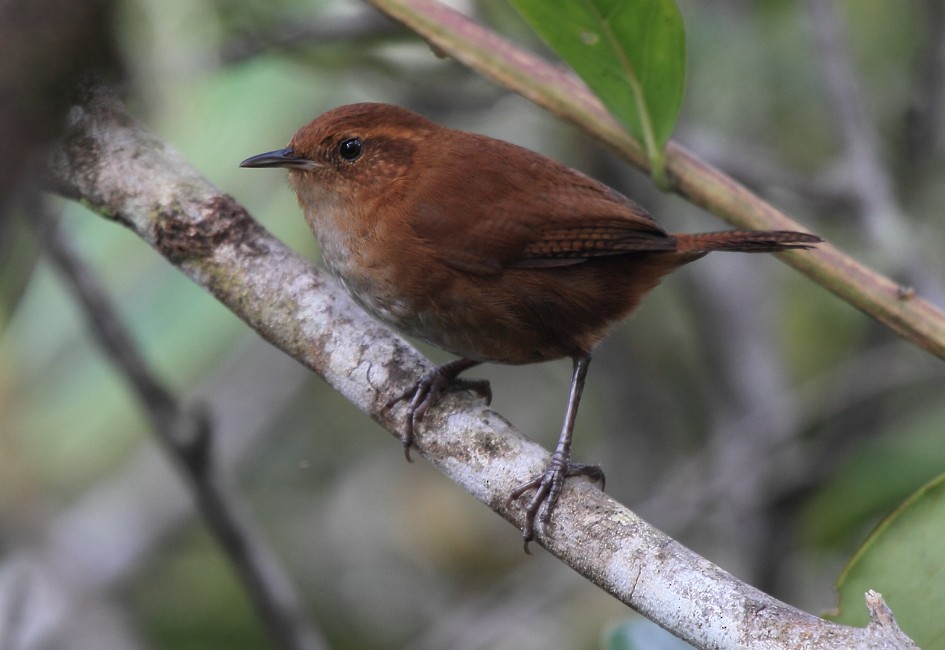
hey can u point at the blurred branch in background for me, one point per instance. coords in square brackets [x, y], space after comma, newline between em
[368, 26]
[791, 464]
[106, 536]
[925, 118]
[865, 173]
[493, 618]
[189, 439]
[759, 168]
[47, 46]
[751, 373]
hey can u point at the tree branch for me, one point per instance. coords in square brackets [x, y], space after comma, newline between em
[96, 545]
[119, 169]
[186, 435]
[554, 88]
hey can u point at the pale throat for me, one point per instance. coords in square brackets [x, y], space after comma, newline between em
[347, 251]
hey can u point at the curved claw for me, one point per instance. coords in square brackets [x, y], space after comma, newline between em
[547, 488]
[428, 389]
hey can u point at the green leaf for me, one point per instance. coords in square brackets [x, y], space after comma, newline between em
[903, 559]
[853, 500]
[631, 53]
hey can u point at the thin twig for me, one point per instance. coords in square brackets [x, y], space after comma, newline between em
[186, 436]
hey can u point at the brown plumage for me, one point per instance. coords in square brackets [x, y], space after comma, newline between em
[485, 249]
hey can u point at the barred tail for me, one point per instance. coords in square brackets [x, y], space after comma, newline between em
[745, 241]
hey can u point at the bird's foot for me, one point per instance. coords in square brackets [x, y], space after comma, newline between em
[428, 390]
[547, 487]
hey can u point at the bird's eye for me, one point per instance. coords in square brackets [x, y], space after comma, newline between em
[350, 149]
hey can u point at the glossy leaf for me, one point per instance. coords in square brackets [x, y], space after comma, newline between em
[904, 561]
[631, 53]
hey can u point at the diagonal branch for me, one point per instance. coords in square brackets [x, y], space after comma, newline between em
[559, 91]
[186, 435]
[125, 173]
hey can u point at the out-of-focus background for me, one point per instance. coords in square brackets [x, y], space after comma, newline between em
[744, 410]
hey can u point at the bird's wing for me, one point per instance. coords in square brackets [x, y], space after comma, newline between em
[519, 209]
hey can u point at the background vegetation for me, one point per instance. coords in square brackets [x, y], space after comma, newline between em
[744, 410]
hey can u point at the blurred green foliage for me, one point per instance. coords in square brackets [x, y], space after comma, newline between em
[632, 55]
[744, 410]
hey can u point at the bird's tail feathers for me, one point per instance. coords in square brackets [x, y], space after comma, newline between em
[745, 241]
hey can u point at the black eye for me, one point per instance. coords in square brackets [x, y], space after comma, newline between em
[350, 149]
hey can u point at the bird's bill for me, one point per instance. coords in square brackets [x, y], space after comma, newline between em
[280, 158]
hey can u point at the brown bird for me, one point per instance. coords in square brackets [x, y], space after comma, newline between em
[487, 250]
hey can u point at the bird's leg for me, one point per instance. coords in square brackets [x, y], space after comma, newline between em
[429, 388]
[548, 485]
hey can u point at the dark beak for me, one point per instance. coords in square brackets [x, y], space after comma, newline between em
[280, 158]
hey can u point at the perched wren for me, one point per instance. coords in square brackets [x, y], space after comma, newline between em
[487, 250]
